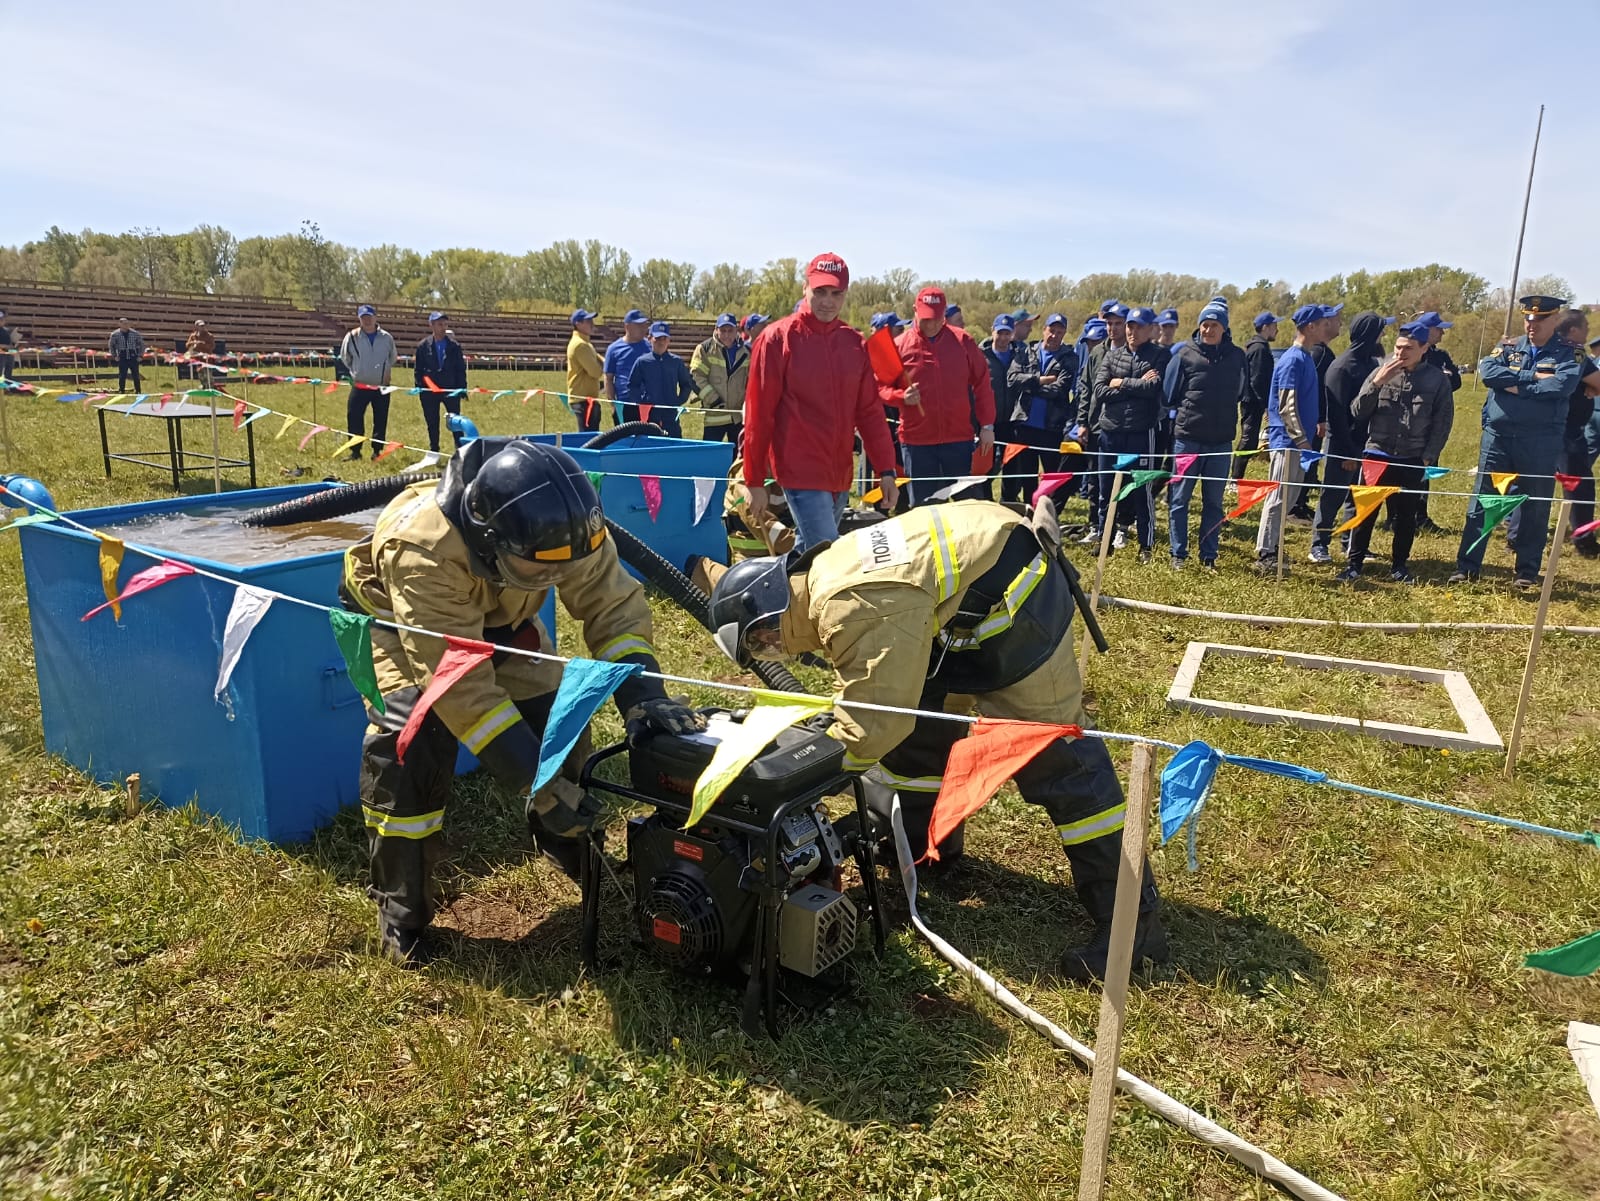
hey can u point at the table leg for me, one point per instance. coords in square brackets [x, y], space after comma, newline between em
[105, 447]
[250, 443]
[175, 449]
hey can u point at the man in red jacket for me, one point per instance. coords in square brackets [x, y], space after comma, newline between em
[811, 390]
[947, 398]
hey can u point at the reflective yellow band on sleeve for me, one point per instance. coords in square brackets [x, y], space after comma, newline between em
[910, 783]
[1016, 592]
[491, 723]
[853, 763]
[947, 567]
[423, 826]
[621, 648]
[1107, 821]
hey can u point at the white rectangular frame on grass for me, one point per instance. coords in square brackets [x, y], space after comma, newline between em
[1480, 734]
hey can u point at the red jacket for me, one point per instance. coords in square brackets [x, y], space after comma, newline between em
[811, 388]
[953, 376]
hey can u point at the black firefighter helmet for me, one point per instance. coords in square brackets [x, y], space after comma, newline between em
[510, 497]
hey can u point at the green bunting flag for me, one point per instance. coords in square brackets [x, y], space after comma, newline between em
[595, 477]
[1139, 480]
[353, 633]
[1580, 958]
[1495, 510]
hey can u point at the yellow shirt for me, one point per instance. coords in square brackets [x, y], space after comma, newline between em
[584, 371]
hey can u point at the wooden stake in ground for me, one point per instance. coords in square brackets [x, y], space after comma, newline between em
[1119, 964]
[216, 447]
[5, 430]
[1514, 744]
[1100, 569]
[131, 805]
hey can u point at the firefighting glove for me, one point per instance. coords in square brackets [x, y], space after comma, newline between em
[820, 723]
[666, 714]
[565, 822]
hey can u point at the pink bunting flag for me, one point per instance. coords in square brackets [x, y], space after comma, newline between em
[150, 577]
[652, 493]
[1585, 530]
[1569, 482]
[1048, 483]
[1183, 463]
[315, 430]
[460, 656]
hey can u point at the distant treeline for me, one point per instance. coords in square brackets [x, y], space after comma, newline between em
[312, 271]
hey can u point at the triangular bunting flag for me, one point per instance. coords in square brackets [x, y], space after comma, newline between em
[460, 656]
[1071, 448]
[1586, 529]
[651, 484]
[595, 477]
[432, 387]
[1308, 458]
[742, 742]
[1140, 479]
[331, 388]
[1433, 473]
[873, 495]
[349, 444]
[1577, 958]
[239, 408]
[249, 606]
[1366, 499]
[1251, 493]
[312, 433]
[982, 461]
[1495, 510]
[150, 577]
[1372, 470]
[1126, 461]
[703, 491]
[1502, 480]
[585, 685]
[353, 634]
[960, 485]
[1012, 450]
[884, 355]
[110, 563]
[995, 750]
[388, 449]
[645, 411]
[1183, 463]
[288, 423]
[1568, 482]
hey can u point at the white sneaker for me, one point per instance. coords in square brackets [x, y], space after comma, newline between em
[1118, 540]
[431, 459]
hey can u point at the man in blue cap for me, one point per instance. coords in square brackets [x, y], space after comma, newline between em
[1202, 386]
[621, 356]
[369, 357]
[720, 367]
[1167, 337]
[1322, 355]
[660, 380]
[954, 316]
[586, 374]
[1530, 383]
[1128, 401]
[1347, 435]
[1439, 357]
[752, 325]
[438, 359]
[1039, 386]
[1293, 427]
[1167, 323]
[1113, 330]
[1259, 363]
[1022, 326]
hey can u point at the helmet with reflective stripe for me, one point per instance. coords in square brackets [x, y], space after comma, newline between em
[523, 499]
[750, 596]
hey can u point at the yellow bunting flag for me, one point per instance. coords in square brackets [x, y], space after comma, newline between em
[354, 441]
[1073, 448]
[1502, 480]
[288, 424]
[110, 564]
[1366, 498]
[773, 713]
[873, 495]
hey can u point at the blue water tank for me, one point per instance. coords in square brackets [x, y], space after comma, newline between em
[137, 695]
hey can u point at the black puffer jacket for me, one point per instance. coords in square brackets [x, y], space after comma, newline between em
[1206, 385]
[1136, 405]
[1347, 434]
[1258, 374]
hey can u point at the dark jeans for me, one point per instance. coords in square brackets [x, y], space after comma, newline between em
[356, 416]
[1336, 481]
[731, 432]
[1534, 457]
[1405, 509]
[125, 368]
[587, 414]
[1209, 471]
[431, 401]
[937, 466]
[1581, 464]
[1113, 445]
[1043, 453]
[1249, 436]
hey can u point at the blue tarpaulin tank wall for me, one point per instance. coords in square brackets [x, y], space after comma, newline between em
[137, 695]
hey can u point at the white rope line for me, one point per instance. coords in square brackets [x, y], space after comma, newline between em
[1390, 627]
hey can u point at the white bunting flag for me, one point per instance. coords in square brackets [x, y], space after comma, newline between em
[250, 605]
[702, 497]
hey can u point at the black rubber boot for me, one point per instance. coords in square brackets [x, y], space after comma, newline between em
[403, 946]
[916, 811]
[1087, 964]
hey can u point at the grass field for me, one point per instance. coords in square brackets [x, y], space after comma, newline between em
[182, 1016]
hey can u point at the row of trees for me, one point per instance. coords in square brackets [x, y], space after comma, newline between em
[315, 272]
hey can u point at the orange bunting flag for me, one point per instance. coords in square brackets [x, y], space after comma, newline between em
[1569, 482]
[1012, 450]
[150, 577]
[1372, 470]
[645, 411]
[995, 750]
[1366, 499]
[460, 656]
[388, 449]
[331, 388]
[238, 413]
[111, 563]
[315, 430]
[884, 356]
[982, 461]
[1502, 480]
[1251, 494]
[432, 387]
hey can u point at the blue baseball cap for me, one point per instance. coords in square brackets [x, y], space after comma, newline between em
[1110, 306]
[583, 315]
[754, 319]
[366, 310]
[1055, 319]
[1094, 328]
[727, 319]
[1267, 317]
[1433, 321]
[1215, 312]
[660, 329]
[952, 310]
[1307, 313]
[634, 317]
[436, 315]
[1417, 331]
[1331, 310]
[1117, 309]
[1005, 321]
[1021, 315]
[1170, 316]
[1141, 316]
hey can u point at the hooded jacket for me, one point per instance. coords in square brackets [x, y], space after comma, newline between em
[1258, 374]
[1407, 416]
[720, 389]
[1205, 384]
[1135, 406]
[1347, 433]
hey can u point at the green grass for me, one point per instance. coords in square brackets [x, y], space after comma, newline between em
[184, 1016]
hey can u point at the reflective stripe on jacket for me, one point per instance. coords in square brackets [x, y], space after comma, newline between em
[721, 391]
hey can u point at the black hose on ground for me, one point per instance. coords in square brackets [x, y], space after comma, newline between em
[353, 498]
[337, 502]
[628, 429]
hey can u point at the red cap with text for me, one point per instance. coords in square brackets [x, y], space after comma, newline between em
[827, 270]
[930, 302]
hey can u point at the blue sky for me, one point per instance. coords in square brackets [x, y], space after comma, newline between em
[1232, 140]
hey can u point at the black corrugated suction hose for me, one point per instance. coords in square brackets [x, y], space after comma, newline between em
[627, 429]
[353, 498]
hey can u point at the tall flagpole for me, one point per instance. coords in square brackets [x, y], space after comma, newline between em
[1516, 266]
